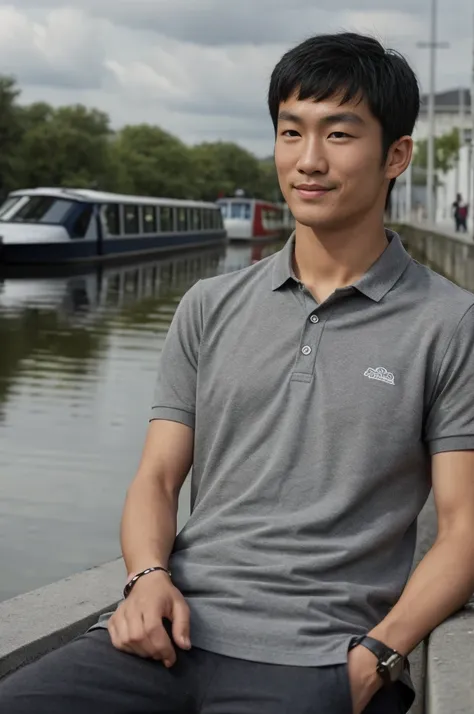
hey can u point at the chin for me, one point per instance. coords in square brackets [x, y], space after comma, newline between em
[317, 219]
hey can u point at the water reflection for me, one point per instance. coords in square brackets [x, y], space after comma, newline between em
[78, 362]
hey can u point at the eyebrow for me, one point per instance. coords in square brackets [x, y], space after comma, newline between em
[339, 118]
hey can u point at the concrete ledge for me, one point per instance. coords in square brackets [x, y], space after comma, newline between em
[40, 621]
[450, 666]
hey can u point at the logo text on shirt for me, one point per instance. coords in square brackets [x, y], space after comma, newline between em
[381, 374]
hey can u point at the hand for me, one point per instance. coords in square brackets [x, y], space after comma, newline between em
[363, 677]
[137, 627]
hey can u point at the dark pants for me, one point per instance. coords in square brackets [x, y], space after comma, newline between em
[461, 225]
[89, 676]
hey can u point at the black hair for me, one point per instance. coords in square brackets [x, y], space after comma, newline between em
[353, 67]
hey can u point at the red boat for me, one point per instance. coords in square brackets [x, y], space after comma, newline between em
[253, 219]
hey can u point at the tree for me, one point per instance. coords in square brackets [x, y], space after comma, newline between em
[446, 151]
[221, 168]
[10, 132]
[68, 146]
[269, 188]
[157, 163]
[73, 146]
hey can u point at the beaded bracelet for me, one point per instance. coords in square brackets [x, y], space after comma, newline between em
[128, 587]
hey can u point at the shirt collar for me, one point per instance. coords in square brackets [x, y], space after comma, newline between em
[375, 283]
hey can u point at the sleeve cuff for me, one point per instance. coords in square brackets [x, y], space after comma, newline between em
[172, 414]
[451, 443]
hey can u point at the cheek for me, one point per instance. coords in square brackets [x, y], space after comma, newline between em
[284, 157]
[361, 172]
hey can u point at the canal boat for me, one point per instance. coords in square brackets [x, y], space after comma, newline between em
[63, 225]
[253, 219]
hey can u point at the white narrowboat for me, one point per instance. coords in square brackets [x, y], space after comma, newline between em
[60, 225]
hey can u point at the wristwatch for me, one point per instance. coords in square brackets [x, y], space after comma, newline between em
[390, 662]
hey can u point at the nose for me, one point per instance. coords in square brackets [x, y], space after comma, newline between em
[312, 159]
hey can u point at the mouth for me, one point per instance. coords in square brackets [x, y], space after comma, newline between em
[311, 190]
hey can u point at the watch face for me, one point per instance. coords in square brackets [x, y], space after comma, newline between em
[394, 666]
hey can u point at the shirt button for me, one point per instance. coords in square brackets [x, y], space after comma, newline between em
[314, 319]
[306, 350]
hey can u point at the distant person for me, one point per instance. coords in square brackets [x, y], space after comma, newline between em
[460, 212]
[318, 395]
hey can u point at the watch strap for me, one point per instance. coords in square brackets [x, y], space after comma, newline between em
[378, 648]
[381, 651]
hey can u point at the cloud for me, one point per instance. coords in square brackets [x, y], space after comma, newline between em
[64, 49]
[200, 68]
[223, 22]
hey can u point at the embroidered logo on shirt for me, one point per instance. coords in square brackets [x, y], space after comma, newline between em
[381, 374]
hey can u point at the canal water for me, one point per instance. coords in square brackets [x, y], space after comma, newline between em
[78, 362]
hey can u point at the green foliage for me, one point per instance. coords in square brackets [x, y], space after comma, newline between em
[74, 146]
[446, 152]
[10, 132]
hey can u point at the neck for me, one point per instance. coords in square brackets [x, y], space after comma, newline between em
[325, 260]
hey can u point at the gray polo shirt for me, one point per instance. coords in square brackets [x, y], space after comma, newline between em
[314, 425]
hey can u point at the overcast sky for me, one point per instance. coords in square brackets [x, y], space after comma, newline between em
[200, 68]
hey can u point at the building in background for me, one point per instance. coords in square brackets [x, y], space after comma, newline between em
[452, 111]
[452, 108]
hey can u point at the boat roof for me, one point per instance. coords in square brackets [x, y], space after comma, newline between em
[85, 194]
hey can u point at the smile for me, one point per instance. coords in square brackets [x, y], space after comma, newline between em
[311, 192]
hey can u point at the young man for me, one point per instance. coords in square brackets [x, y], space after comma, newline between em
[318, 395]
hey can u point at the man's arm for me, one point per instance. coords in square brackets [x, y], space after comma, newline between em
[149, 525]
[444, 580]
[149, 520]
[441, 584]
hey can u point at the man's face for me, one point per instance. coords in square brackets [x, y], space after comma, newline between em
[329, 161]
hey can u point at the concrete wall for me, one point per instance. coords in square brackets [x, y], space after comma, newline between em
[36, 623]
[449, 253]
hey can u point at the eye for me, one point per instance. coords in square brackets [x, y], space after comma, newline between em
[290, 133]
[339, 135]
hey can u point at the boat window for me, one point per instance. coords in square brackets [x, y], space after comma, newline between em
[240, 210]
[182, 219]
[224, 209]
[197, 219]
[82, 222]
[8, 204]
[149, 219]
[112, 219]
[43, 209]
[130, 214]
[166, 218]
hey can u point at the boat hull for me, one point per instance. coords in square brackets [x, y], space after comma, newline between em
[86, 251]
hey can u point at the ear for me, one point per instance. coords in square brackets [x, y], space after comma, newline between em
[399, 157]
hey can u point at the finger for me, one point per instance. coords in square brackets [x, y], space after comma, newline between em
[116, 638]
[161, 645]
[136, 638]
[181, 624]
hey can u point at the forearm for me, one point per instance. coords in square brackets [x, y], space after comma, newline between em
[441, 584]
[149, 524]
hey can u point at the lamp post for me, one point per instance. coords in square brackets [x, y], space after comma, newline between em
[432, 45]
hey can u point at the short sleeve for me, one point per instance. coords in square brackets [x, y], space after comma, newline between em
[449, 425]
[175, 391]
